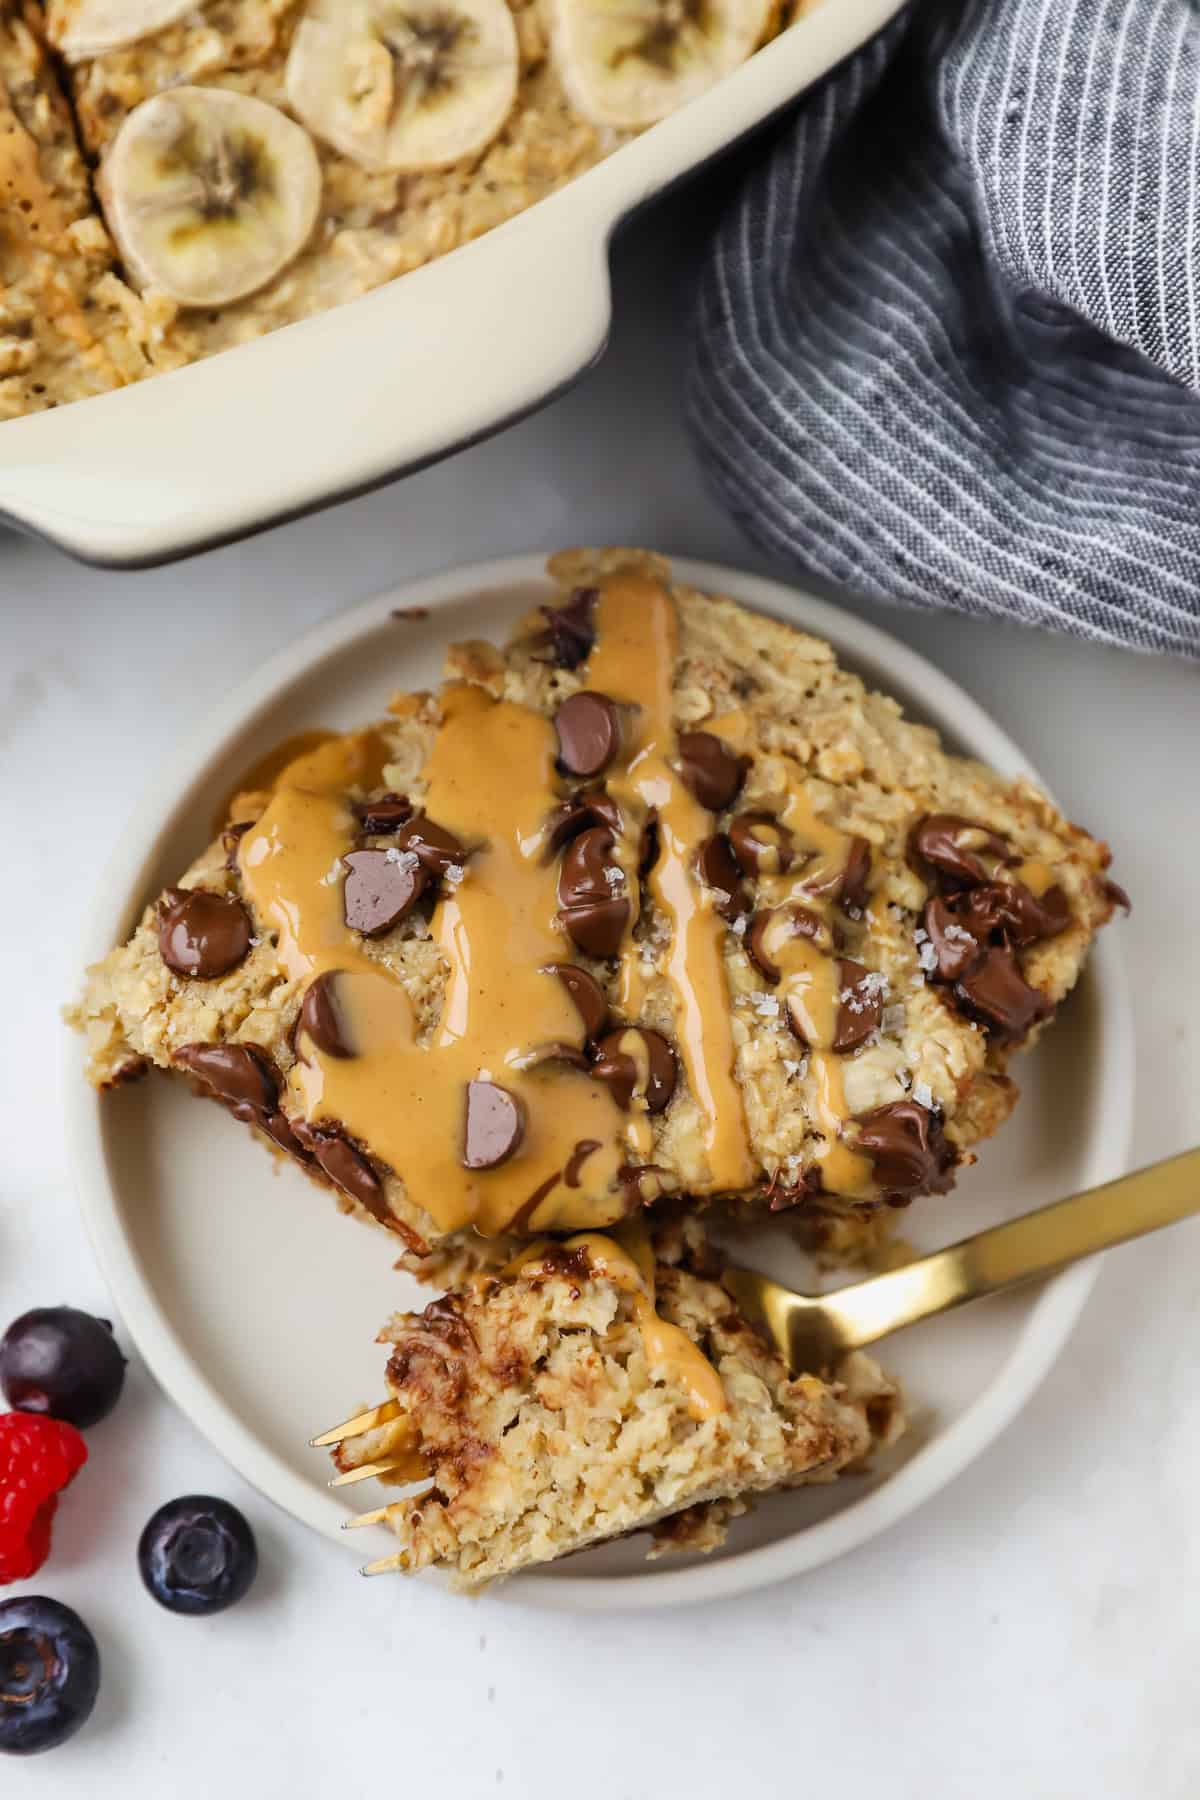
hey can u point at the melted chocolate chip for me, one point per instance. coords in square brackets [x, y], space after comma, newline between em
[586, 868]
[382, 887]
[859, 1007]
[761, 844]
[348, 1169]
[586, 993]
[231, 839]
[782, 1195]
[852, 890]
[996, 993]
[624, 1065]
[710, 769]
[589, 733]
[720, 873]
[909, 1150]
[644, 1183]
[648, 844]
[570, 631]
[280, 1132]
[379, 818]
[956, 938]
[436, 849]
[579, 1155]
[581, 812]
[597, 926]
[802, 922]
[962, 851]
[322, 1019]
[242, 1077]
[202, 935]
[1012, 908]
[495, 1125]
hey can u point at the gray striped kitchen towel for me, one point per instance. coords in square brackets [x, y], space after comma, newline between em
[947, 348]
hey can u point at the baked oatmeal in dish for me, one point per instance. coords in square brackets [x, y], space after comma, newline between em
[655, 901]
[259, 161]
[63, 331]
[597, 1386]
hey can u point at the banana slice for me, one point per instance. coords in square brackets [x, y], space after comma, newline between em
[209, 193]
[404, 84]
[82, 28]
[626, 63]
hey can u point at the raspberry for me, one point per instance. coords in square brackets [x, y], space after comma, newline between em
[38, 1457]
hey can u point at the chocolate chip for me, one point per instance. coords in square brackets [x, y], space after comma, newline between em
[860, 1007]
[589, 733]
[852, 891]
[379, 818]
[961, 850]
[570, 631]
[1012, 908]
[597, 926]
[648, 844]
[720, 873]
[643, 1184]
[586, 868]
[382, 887]
[495, 1125]
[242, 1077]
[436, 849]
[996, 993]
[574, 1167]
[579, 812]
[909, 1150]
[586, 993]
[761, 844]
[280, 1132]
[348, 1169]
[957, 939]
[800, 922]
[202, 935]
[231, 839]
[635, 1060]
[710, 769]
[322, 1018]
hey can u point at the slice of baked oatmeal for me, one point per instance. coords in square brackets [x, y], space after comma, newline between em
[593, 1389]
[659, 899]
[63, 334]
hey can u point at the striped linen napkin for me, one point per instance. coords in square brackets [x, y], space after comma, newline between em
[947, 348]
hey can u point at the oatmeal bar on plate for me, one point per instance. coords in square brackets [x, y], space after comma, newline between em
[657, 900]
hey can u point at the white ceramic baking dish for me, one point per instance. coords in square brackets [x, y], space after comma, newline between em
[336, 404]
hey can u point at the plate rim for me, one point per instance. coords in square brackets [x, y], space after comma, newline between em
[120, 894]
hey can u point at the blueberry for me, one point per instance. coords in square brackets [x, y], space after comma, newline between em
[197, 1555]
[49, 1674]
[63, 1362]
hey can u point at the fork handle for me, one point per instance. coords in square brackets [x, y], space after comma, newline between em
[1036, 1244]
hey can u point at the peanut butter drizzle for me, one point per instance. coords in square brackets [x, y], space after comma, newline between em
[491, 770]
[268, 771]
[810, 980]
[633, 662]
[626, 1259]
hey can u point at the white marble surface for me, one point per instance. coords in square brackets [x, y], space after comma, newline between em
[1033, 1632]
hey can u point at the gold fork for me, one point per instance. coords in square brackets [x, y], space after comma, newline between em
[812, 1332]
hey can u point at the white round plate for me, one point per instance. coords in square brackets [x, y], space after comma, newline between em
[256, 1304]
